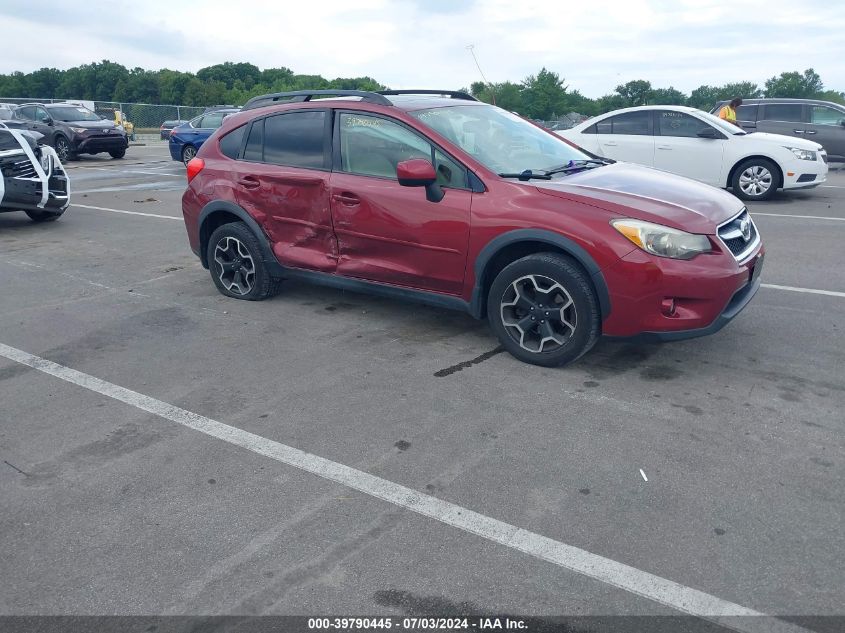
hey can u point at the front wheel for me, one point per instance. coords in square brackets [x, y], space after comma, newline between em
[236, 265]
[117, 153]
[756, 179]
[62, 147]
[544, 310]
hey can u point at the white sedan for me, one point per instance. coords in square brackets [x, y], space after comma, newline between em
[698, 145]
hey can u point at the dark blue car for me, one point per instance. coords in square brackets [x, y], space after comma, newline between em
[187, 138]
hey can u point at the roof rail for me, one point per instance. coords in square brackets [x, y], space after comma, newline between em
[455, 94]
[307, 95]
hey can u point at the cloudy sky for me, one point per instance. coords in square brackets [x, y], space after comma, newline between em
[423, 43]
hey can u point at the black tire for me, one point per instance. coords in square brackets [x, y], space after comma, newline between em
[117, 153]
[246, 276]
[63, 148]
[188, 152]
[756, 179]
[43, 216]
[574, 324]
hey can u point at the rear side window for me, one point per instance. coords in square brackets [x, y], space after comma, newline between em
[27, 112]
[254, 149]
[211, 121]
[783, 112]
[296, 139]
[230, 145]
[747, 112]
[590, 130]
[635, 123]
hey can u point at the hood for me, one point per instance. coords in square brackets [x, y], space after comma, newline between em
[781, 140]
[103, 124]
[647, 194]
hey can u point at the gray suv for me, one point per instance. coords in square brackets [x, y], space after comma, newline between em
[819, 121]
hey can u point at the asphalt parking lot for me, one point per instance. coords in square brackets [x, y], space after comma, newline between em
[114, 503]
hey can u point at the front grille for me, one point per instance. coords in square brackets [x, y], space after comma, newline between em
[22, 169]
[731, 235]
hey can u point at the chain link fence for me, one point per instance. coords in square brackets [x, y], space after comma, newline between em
[145, 118]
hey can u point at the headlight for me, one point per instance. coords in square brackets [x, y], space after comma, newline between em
[803, 154]
[662, 241]
[78, 130]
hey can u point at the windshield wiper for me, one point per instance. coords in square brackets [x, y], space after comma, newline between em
[528, 174]
[574, 165]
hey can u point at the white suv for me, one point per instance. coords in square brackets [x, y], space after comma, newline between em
[698, 145]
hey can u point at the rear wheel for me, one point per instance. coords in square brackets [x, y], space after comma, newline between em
[544, 310]
[756, 179]
[236, 266]
[188, 152]
[43, 216]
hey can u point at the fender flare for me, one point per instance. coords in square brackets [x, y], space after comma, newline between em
[209, 209]
[537, 235]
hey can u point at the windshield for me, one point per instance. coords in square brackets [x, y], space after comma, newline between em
[501, 141]
[73, 113]
[724, 126]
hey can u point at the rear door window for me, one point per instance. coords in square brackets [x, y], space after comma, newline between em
[792, 112]
[297, 139]
[633, 123]
[254, 149]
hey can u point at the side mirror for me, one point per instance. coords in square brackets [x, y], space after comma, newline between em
[418, 172]
[707, 132]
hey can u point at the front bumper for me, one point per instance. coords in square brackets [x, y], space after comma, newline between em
[90, 144]
[708, 292]
[804, 174]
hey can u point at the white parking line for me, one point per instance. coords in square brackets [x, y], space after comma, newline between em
[666, 592]
[803, 217]
[150, 215]
[812, 291]
[134, 171]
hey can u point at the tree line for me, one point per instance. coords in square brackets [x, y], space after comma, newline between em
[545, 95]
[227, 83]
[542, 96]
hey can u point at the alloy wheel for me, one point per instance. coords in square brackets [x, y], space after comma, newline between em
[755, 181]
[235, 266]
[62, 149]
[538, 313]
[188, 153]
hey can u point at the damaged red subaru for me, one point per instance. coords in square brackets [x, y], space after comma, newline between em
[433, 196]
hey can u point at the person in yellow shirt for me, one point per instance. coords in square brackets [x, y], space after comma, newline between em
[728, 112]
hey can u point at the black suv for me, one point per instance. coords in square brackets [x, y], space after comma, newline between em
[819, 121]
[73, 130]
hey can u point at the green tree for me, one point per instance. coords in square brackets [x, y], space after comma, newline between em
[795, 85]
[667, 96]
[543, 95]
[635, 93]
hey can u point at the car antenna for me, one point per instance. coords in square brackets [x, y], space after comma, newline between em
[471, 49]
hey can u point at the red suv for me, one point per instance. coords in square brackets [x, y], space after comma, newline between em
[436, 197]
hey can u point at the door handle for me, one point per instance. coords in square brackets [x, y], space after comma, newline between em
[663, 147]
[610, 143]
[809, 131]
[798, 131]
[250, 182]
[349, 199]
